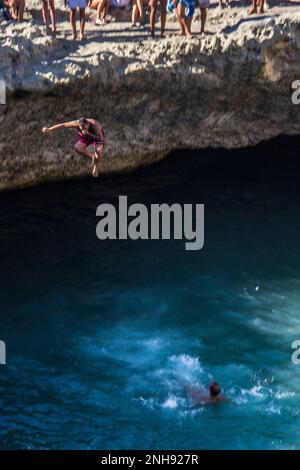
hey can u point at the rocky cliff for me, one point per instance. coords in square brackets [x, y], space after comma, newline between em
[228, 89]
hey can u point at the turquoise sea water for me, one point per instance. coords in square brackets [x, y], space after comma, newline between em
[103, 337]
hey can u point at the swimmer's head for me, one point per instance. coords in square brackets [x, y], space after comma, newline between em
[214, 389]
[83, 124]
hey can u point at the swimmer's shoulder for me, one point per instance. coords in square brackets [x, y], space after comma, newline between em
[213, 401]
[222, 399]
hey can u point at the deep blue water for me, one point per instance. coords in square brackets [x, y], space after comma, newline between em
[103, 337]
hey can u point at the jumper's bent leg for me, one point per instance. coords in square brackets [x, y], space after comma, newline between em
[82, 149]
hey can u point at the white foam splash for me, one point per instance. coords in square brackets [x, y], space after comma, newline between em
[171, 402]
[190, 362]
[283, 395]
[256, 393]
[272, 409]
[147, 402]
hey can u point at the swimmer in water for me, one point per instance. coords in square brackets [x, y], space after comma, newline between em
[213, 397]
[90, 132]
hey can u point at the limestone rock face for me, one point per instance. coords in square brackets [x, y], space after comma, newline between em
[231, 88]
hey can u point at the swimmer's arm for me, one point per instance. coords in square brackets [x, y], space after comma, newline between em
[209, 401]
[226, 399]
[64, 125]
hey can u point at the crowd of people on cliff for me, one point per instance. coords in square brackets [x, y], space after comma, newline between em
[13, 10]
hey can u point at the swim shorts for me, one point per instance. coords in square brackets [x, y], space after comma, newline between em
[87, 140]
[188, 4]
[73, 4]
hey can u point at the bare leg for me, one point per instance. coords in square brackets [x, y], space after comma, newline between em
[82, 22]
[73, 22]
[45, 11]
[21, 7]
[100, 9]
[181, 23]
[106, 10]
[98, 14]
[135, 14]
[261, 6]
[189, 25]
[97, 157]
[203, 19]
[186, 23]
[163, 16]
[140, 6]
[12, 7]
[52, 15]
[153, 4]
[254, 8]
[82, 149]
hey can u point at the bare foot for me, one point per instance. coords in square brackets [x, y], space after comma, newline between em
[95, 171]
[81, 36]
[74, 37]
[252, 11]
[261, 11]
[95, 164]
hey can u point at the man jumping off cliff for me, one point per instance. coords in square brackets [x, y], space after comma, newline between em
[90, 132]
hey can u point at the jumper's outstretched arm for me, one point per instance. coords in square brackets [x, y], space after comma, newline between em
[64, 125]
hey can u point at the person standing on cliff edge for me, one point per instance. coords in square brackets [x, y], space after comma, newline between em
[48, 9]
[185, 10]
[90, 132]
[257, 7]
[163, 16]
[203, 5]
[73, 5]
